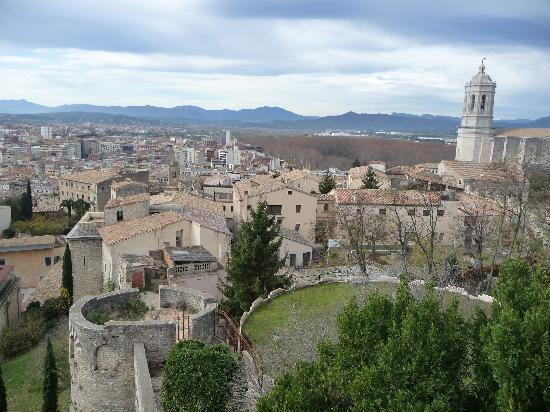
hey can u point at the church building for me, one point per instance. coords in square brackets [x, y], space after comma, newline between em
[478, 141]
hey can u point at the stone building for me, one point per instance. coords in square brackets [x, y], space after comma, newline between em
[477, 139]
[128, 208]
[118, 366]
[127, 187]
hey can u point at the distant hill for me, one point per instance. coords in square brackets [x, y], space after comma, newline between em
[267, 117]
[74, 117]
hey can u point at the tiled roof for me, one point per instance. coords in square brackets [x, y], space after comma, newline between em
[471, 205]
[422, 174]
[39, 242]
[90, 176]
[359, 172]
[297, 174]
[527, 132]
[385, 197]
[398, 170]
[188, 200]
[207, 219]
[86, 229]
[326, 197]
[127, 230]
[189, 254]
[473, 170]
[294, 236]
[125, 201]
[126, 182]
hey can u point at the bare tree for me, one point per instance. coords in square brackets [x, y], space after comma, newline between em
[424, 225]
[362, 230]
[399, 230]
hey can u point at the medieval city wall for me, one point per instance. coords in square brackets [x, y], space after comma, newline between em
[86, 256]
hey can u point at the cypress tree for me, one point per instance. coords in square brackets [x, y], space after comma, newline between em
[369, 180]
[49, 395]
[3, 400]
[26, 202]
[327, 183]
[67, 277]
[253, 262]
[356, 163]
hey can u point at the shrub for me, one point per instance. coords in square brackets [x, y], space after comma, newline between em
[8, 233]
[199, 378]
[54, 308]
[22, 337]
[131, 309]
[99, 317]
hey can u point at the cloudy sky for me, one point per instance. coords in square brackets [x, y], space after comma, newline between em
[312, 57]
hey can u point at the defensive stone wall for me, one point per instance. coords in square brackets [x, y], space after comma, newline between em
[86, 256]
[101, 357]
[202, 324]
[144, 400]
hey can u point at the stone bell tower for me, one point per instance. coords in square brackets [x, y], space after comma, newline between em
[476, 133]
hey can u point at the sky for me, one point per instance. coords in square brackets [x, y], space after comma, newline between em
[312, 57]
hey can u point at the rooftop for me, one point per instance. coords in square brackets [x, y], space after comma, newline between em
[127, 230]
[90, 176]
[28, 243]
[187, 199]
[294, 236]
[189, 254]
[385, 197]
[208, 219]
[125, 201]
[5, 271]
[126, 182]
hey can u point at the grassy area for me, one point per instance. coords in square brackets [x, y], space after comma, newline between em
[23, 374]
[288, 329]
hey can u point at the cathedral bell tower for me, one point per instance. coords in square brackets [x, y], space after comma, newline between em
[476, 133]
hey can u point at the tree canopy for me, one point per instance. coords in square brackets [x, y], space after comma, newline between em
[67, 273]
[253, 262]
[49, 395]
[369, 180]
[327, 183]
[26, 202]
[407, 354]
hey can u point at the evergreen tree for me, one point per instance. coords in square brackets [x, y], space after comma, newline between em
[3, 400]
[369, 180]
[49, 395]
[80, 207]
[327, 183]
[356, 163]
[26, 202]
[67, 279]
[253, 262]
[68, 204]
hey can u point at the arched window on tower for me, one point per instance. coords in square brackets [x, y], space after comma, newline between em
[482, 104]
[473, 103]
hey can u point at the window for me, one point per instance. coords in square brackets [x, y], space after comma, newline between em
[248, 207]
[2, 261]
[224, 208]
[84, 263]
[119, 215]
[440, 212]
[298, 208]
[47, 261]
[279, 220]
[275, 209]
[426, 212]
[473, 103]
[231, 208]
[482, 104]
[297, 227]
[179, 235]
[382, 212]
[290, 192]
[411, 212]
[325, 207]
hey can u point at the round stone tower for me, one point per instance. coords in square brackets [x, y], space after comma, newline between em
[476, 133]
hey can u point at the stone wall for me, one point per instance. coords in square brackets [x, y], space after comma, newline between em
[86, 256]
[144, 400]
[202, 325]
[132, 211]
[101, 358]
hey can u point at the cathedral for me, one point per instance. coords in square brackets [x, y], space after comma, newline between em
[478, 141]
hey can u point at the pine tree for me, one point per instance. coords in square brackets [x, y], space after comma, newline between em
[67, 278]
[3, 400]
[26, 202]
[369, 180]
[327, 183]
[253, 262]
[49, 395]
[356, 163]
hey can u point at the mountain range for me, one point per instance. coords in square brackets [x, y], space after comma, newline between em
[269, 117]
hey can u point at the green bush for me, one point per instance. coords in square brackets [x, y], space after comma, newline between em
[53, 308]
[22, 337]
[198, 378]
[99, 317]
[131, 309]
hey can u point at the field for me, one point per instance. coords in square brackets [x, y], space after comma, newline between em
[322, 152]
[287, 329]
[23, 374]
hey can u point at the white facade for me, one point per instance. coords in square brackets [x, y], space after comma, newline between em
[5, 217]
[227, 137]
[234, 157]
[46, 132]
[476, 134]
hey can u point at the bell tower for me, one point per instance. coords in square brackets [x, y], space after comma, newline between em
[476, 134]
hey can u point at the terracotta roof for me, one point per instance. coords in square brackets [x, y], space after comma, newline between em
[326, 197]
[398, 170]
[127, 230]
[188, 200]
[422, 174]
[471, 205]
[385, 197]
[297, 174]
[90, 176]
[294, 236]
[125, 201]
[527, 132]
[127, 182]
[359, 172]
[205, 218]
[473, 170]
[5, 270]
